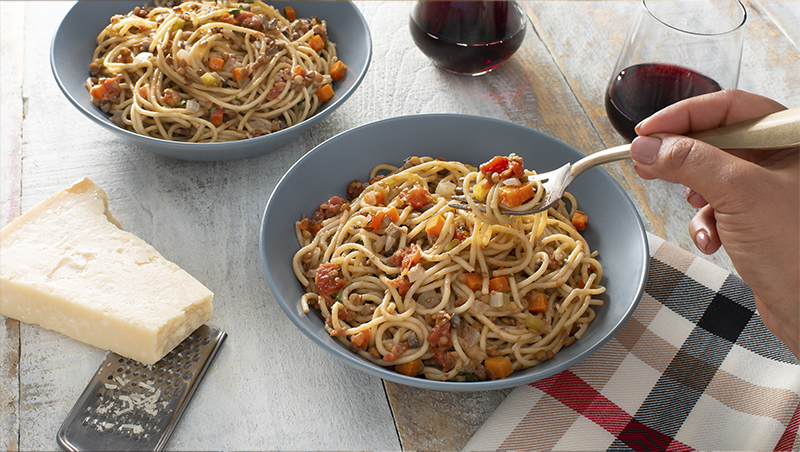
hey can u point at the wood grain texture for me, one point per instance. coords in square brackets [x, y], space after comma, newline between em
[11, 112]
[271, 388]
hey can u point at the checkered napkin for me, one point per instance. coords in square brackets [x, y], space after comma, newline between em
[693, 368]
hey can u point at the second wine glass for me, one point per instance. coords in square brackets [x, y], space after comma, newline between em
[674, 50]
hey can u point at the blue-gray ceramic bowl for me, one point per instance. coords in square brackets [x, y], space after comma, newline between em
[76, 38]
[615, 229]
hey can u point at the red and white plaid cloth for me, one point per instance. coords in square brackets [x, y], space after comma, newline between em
[694, 368]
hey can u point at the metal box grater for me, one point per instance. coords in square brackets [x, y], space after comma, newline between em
[135, 407]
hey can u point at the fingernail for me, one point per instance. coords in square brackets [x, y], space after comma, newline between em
[645, 149]
[701, 239]
[636, 129]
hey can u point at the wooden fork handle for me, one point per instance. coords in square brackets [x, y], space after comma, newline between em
[779, 130]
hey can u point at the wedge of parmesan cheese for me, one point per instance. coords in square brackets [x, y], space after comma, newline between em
[68, 266]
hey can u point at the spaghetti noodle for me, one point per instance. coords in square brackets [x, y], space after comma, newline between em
[406, 281]
[205, 71]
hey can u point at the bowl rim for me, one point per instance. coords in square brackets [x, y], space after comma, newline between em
[514, 380]
[205, 148]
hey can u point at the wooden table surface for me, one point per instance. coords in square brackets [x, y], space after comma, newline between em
[271, 388]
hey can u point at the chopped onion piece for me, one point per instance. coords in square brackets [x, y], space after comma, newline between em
[496, 299]
[512, 181]
[142, 57]
[416, 273]
[445, 188]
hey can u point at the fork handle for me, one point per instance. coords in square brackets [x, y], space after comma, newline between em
[779, 130]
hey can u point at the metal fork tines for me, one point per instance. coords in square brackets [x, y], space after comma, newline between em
[555, 183]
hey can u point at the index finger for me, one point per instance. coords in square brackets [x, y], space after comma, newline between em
[708, 111]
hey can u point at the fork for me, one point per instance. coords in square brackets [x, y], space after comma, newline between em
[779, 130]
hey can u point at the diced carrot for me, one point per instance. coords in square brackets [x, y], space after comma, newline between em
[537, 302]
[410, 368]
[511, 196]
[228, 19]
[240, 73]
[298, 70]
[380, 198]
[288, 13]
[474, 281]
[143, 92]
[325, 93]
[316, 43]
[215, 64]
[338, 70]
[216, 116]
[375, 219]
[498, 367]
[500, 283]
[393, 214]
[99, 91]
[435, 225]
[361, 339]
[580, 220]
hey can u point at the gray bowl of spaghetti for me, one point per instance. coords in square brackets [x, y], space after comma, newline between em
[375, 266]
[202, 80]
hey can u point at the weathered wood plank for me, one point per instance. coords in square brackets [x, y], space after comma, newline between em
[11, 111]
[786, 15]
[270, 387]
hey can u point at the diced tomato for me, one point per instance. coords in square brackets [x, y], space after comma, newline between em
[107, 90]
[505, 166]
[416, 196]
[396, 352]
[249, 20]
[445, 359]
[412, 256]
[439, 337]
[327, 278]
[216, 116]
[462, 233]
[276, 90]
[402, 284]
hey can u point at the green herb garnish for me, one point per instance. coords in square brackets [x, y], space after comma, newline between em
[469, 376]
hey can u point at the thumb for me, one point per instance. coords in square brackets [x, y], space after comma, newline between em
[707, 170]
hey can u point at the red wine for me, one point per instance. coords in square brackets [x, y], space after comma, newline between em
[641, 90]
[467, 37]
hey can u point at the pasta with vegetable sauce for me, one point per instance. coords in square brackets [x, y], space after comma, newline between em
[408, 282]
[203, 71]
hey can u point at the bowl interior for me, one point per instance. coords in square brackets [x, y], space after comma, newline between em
[615, 229]
[76, 38]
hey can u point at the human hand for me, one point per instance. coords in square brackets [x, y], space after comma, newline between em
[749, 201]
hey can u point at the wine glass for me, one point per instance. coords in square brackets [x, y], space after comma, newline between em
[467, 37]
[674, 50]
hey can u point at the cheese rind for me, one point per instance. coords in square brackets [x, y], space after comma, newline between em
[67, 265]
